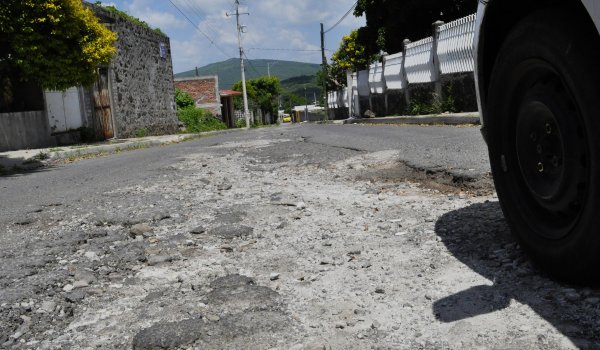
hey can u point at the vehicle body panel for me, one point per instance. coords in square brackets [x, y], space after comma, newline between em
[592, 7]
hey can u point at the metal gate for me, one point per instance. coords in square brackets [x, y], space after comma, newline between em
[64, 110]
[102, 105]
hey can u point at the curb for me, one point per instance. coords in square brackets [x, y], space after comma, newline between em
[441, 119]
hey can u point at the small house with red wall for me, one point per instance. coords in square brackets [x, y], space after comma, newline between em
[204, 90]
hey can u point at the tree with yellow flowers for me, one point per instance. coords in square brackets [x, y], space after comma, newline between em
[351, 55]
[55, 43]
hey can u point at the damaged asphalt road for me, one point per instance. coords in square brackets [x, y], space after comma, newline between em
[297, 237]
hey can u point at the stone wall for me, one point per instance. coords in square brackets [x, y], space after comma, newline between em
[141, 74]
[204, 90]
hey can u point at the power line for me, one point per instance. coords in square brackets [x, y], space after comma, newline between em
[199, 14]
[199, 30]
[251, 65]
[275, 49]
[343, 18]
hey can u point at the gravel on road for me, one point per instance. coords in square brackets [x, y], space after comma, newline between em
[267, 240]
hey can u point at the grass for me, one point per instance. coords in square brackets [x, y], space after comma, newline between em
[130, 18]
[55, 150]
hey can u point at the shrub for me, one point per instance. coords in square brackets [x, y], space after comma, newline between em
[183, 99]
[240, 123]
[198, 120]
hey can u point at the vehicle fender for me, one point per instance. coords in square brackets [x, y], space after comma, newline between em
[593, 8]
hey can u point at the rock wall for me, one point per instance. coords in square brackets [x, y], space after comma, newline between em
[143, 93]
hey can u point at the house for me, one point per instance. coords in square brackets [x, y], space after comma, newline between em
[306, 113]
[228, 107]
[204, 90]
[134, 95]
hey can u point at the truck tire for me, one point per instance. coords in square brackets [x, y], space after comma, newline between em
[543, 119]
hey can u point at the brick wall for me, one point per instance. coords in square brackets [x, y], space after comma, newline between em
[204, 90]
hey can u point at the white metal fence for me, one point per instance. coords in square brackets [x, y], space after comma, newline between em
[376, 79]
[455, 46]
[394, 79]
[449, 51]
[418, 61]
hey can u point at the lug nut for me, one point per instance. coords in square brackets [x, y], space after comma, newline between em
[539, 149]
[540, 167]
[555, 161]
[548, 128]
[533, 136]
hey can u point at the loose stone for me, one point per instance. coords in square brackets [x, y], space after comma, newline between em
[139, 230]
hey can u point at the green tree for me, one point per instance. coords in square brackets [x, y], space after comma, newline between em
[352, 55]
[55, 43]
[262, 92]
[389, 22]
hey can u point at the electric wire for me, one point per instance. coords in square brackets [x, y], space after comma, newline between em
[189, 4]
[251, 65]
[343, 18]
[276, 49]
[200, 30]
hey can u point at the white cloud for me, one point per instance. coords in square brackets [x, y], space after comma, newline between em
[280, 24]
[154, 17]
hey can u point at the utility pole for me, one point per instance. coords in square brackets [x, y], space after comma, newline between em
[240, 29]
[305, 105]
[325, 75]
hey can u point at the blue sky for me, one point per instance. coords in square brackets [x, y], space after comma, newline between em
[289, 26]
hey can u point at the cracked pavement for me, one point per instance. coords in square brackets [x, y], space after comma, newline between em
[296, 237]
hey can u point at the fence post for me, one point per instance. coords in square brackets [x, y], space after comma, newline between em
[403, 73]
[385, 92]
[436, 61]
[349, 93]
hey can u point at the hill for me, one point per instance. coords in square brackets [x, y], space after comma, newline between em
[229, 70]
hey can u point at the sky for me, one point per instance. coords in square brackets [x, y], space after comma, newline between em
[275, 29]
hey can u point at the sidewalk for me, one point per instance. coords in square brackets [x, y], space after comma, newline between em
[433, 119]
[15, 161]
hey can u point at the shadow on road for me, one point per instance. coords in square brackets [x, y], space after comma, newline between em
[20, 166]
[479, 237]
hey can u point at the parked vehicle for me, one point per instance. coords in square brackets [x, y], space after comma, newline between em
[538, 74]
[286, 118]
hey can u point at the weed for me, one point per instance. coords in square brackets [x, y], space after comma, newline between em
[143, 132]
[55, 150]
[41, 156]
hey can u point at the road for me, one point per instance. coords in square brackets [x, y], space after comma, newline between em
[293, 237]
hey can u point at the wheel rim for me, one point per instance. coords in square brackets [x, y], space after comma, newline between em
[550, 153]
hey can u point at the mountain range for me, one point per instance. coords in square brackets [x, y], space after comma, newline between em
[229, 70]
